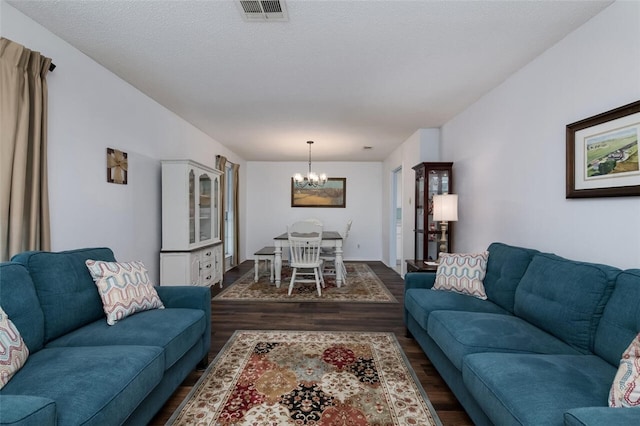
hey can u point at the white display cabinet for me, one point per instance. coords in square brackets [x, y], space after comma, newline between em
[191, 212]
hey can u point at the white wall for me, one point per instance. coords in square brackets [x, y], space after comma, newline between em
[508, 153]
[509, 148]
[423, 145]
[91, 109]
[269, 208]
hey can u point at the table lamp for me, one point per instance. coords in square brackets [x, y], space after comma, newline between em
[445, 209]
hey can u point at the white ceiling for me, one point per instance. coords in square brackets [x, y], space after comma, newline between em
[346, 74]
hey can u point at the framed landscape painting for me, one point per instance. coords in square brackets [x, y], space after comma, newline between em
[602, 154]
[332, 194]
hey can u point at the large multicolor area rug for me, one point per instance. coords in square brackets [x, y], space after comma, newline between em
[288, 378]
[362, 285]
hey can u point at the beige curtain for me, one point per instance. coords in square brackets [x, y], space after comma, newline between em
[221, 164]
[24, 197]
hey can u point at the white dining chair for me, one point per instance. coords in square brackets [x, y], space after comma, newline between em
[305, 259]
[304, 227]
[328, 255]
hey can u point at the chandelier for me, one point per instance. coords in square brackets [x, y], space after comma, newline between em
[311, 179]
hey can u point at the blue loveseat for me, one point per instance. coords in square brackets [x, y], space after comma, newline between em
[81, 370]
[543, 349]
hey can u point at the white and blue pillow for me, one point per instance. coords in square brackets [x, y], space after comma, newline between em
[625, 390]
[462, 273]
[124, 287]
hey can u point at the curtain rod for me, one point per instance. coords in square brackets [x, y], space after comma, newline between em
[52, 67]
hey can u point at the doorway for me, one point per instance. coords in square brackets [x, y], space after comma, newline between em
[396, 221]
[229, 218]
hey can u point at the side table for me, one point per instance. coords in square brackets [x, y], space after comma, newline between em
[418, 265]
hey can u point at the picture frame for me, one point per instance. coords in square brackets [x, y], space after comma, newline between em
[602, 154]
[117, 166]
[332, 195]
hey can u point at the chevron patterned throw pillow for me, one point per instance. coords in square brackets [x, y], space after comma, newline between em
[13, 351]
[125, 288]
[462, 273]
[625, 390]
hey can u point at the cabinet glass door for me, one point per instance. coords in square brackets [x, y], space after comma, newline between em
[431, 179]
[216, 208]
[205, 207]
[420, 218]
[192, 207]
[438, 184]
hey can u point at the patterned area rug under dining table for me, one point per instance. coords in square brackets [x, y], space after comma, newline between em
[289, 378]
[362, 285]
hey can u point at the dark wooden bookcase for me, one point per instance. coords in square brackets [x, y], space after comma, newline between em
[431, 179]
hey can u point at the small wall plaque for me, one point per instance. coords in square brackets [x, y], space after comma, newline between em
[117, 166]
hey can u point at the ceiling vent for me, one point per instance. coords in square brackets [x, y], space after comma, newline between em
[263, 10]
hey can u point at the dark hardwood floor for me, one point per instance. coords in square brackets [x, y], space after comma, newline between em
[230, 316]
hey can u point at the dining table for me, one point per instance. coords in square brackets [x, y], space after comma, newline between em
[331, 239]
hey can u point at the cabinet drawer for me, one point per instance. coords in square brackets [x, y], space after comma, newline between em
[207, 277]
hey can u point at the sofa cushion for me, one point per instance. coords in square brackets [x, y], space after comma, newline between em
[124, 287]
[459, 334]
[19, 300]
[532, 389]
[625, 390]
[420, 303]
[565, 298]
[27, 410]
[14, 352]
[67, 294]
[596, 416]
[620, 321]
[91, 385]
[462, 273]
[176, 330]
[505, 267]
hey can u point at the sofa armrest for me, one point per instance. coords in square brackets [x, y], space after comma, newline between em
[419, 280]
[193, 298]
[597, 416]
[27, 410]
[179, 296]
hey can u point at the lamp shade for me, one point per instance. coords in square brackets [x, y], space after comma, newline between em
[445, 207]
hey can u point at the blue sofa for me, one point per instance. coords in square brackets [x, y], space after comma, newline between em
[80, 370]
[543, 349]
